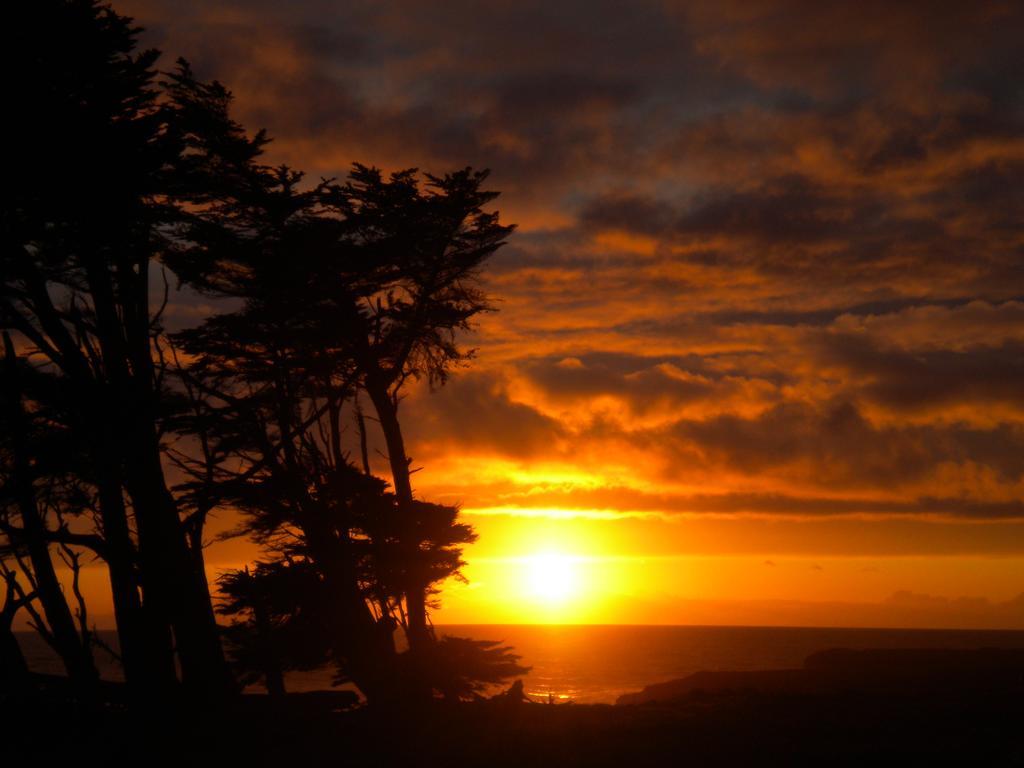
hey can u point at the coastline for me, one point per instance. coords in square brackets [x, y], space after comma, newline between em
[918, 707]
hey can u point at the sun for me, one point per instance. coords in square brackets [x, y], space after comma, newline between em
[551, 577]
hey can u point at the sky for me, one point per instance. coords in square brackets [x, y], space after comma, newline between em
[759, 351]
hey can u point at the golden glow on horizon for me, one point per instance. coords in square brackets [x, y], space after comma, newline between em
[551, 566]
[561, 514]
[540, 570]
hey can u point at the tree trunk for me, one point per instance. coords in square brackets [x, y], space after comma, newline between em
[417, 631]
[415, 589]
[273, 676]
[169, 580]
[146, 647]
[14, 677]
[356, 636]
[13, 669]
[75, 655]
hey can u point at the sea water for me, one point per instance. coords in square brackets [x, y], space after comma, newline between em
[596, 664]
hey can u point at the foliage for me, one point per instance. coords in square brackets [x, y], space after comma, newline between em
[463, 667]
[275, 628]
[337, 290]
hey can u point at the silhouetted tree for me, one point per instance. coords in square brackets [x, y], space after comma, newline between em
[107, 161]
[274, 387]
[31, 454]
[13, 668]
[277, 626]
[391, 265]
[345, 288]
[462, 668]
[423, 245]
[327, 306]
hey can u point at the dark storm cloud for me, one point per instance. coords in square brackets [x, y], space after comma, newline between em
[852, 49]
[837, 446]
[925, 379]
[535, 92]
[475, 413]
[769, 505]
[643, 385]
[788, 209]
[792, 222]
[991, 191]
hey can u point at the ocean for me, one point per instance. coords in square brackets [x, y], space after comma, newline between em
[596, 664]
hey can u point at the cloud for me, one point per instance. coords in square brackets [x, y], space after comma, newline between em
[770, 254]
[823, 47]
[923, 379]
[476, 414]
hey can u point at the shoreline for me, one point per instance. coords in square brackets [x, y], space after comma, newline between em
[917, 707]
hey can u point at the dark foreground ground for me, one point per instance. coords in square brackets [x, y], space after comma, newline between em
[869, 713]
